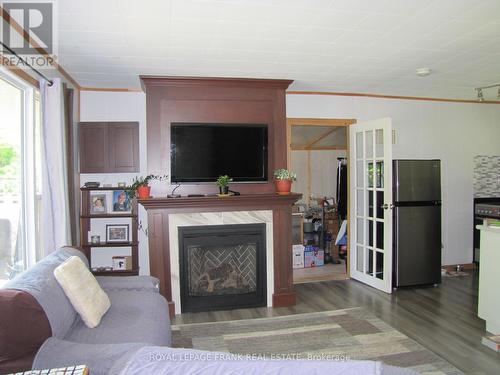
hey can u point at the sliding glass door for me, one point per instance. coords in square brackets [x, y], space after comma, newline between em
[20, 187]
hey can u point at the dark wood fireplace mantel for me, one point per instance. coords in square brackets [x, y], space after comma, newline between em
[245, 202]
[159, 210]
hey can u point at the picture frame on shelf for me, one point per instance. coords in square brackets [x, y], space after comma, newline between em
[121, 201]
[117, 233]
[98, 204]
[119, 263]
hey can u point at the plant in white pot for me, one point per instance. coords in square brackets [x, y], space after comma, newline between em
[283, 179]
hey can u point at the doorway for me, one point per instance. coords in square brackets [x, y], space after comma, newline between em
[318, 151]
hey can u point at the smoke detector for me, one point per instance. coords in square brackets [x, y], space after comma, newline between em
[423, 72]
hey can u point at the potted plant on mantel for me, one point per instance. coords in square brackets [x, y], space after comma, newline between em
[223, 184]
[140, 187]
[283, 179]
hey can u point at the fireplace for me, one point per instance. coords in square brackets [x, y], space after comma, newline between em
[222, 266]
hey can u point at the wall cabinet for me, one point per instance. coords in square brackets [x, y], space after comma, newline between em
[109, 147]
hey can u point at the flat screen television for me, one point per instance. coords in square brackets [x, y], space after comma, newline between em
[202, 152]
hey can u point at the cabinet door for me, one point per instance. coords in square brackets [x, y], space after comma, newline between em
[94, 153]
[123, 147]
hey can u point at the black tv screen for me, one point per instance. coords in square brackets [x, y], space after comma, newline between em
[203, 152]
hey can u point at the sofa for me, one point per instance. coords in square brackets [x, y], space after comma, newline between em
[39, 328]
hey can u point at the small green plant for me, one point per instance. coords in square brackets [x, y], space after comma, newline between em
[284, 174]
[142, 181]
[223, 181]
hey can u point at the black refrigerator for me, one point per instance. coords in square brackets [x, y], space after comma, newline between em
[417, 222]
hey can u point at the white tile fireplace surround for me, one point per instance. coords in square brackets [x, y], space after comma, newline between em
[218, 218]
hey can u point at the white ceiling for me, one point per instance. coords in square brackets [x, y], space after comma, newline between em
[365, 46]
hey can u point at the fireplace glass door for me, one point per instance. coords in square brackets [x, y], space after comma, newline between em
[222, 267]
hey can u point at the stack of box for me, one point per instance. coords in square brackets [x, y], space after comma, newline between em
[313, 256]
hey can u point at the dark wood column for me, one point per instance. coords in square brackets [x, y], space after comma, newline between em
[159, 210]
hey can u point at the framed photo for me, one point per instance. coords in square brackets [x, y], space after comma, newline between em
[121, 201]
[98, 204]
[119, 263]
[117, 233]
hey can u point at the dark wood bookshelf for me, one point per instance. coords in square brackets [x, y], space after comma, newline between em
[86, 218]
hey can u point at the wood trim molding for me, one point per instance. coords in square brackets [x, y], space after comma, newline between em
[318, 148]
[291, 121]
[323, 122]
[20, 73]
[34, 43]
[381, 96]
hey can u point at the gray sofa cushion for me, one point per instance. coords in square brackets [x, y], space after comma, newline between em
[134, 316]
[40, 282]
[56, 353]
[148, 283]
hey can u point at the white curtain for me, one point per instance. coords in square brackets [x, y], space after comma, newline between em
[55, 202]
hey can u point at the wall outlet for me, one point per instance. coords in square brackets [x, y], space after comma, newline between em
[393, 136]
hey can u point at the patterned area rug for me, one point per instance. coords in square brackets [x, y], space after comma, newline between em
[341, 334]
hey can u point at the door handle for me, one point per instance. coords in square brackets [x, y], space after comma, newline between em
[386, 206]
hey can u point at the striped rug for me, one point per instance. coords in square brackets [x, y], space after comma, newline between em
[339, 334]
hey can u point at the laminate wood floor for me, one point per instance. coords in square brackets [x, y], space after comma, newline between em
[443, 318]
[327, 272]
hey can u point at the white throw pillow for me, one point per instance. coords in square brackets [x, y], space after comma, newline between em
[83, 290]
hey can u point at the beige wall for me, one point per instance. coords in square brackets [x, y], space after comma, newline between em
[323, 172]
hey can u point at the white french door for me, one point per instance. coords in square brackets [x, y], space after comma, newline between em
[370, 163]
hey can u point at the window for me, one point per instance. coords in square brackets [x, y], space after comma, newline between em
[20, 177]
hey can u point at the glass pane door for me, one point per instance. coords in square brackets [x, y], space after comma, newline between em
[370, 211]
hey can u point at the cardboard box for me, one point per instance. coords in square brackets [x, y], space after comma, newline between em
[331, 216]
[314, 257]
[298, 256]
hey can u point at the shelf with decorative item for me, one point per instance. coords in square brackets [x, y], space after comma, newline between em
[107, 216]
[111, 244]
[133, 272]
